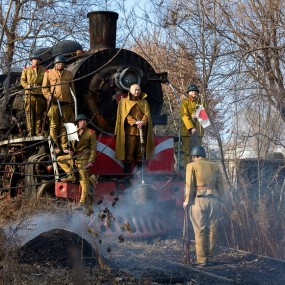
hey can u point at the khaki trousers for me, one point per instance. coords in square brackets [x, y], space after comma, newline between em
[57, 129]
[35, 109]
[66, 164]
[204, 215]
[187, 147]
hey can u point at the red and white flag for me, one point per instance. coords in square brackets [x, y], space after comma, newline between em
[202, 116]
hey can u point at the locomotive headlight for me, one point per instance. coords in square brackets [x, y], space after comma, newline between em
[127, 77]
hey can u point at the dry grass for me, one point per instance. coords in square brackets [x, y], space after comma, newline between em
[13, 272]
[253, 225]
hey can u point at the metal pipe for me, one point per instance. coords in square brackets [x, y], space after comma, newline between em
[179, 127]
[75, 102]
[102, 29]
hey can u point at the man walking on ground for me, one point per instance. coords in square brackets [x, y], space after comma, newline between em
[204, 192]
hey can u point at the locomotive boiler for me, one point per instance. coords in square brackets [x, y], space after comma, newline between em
[102, 76]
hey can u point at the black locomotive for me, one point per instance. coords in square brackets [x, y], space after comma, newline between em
[101, 76]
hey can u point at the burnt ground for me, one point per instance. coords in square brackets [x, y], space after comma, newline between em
[62, 257]
[58, 257]
[54, 257]
[162, 261]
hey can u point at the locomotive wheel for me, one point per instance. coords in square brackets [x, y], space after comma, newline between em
[6, 178]
[30, 187]
[36, 175]
[13, 180]
[17, 184]
[19, 187]
[46, 189]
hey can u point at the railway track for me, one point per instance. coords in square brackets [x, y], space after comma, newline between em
[161, 262]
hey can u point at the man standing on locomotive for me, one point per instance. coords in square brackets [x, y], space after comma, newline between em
[203, 192]
[191, 131]
[81, 156]
[133, 115]
[56, 89]
[35, 103]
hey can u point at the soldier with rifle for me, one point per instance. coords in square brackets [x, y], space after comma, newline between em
[81, 156]
[191, 130]
[35, 103]
[204, 193]
[56, 87]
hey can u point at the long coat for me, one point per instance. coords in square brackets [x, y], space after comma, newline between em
[205, 175]
[124, 107]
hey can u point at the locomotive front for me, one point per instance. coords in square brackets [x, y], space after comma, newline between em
[105, 75]
[102, 78]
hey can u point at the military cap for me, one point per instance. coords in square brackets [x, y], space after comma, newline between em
[35, 56]
[198, 150]
[192, 87]
[81, 117]
[59, 59]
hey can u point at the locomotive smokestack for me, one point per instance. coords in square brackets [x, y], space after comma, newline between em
[102, 29]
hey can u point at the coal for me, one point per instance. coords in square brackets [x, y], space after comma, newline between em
[58, 248]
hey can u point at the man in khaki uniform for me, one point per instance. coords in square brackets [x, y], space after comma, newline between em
[35, 103]
[133, 114]
[203, 192]
[56, 87]
[191, 131]
[84, 152]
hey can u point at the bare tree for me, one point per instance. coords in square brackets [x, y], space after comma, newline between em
[237, 50]
[30, 24]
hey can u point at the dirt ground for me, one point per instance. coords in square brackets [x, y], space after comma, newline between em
[35, 274]
[62, 257]
[20, 267]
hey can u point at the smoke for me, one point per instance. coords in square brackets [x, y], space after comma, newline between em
[141, 210]
[26, 230]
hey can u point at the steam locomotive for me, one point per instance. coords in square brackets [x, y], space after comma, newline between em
[102, 76]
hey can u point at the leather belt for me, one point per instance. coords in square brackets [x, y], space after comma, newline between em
[206, 196]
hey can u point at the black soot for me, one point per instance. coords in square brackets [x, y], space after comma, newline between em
[58, 248]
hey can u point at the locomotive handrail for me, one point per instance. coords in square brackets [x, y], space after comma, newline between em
[179, 127]
[75, 102]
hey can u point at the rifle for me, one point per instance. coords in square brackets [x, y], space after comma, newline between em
[186, 239]
[30, 112]
[143, 152]
[48, 107]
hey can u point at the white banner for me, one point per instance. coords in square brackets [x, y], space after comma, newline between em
[202, 117]
[71, 130]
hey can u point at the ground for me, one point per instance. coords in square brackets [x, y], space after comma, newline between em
[60, 256]
[46, 263]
